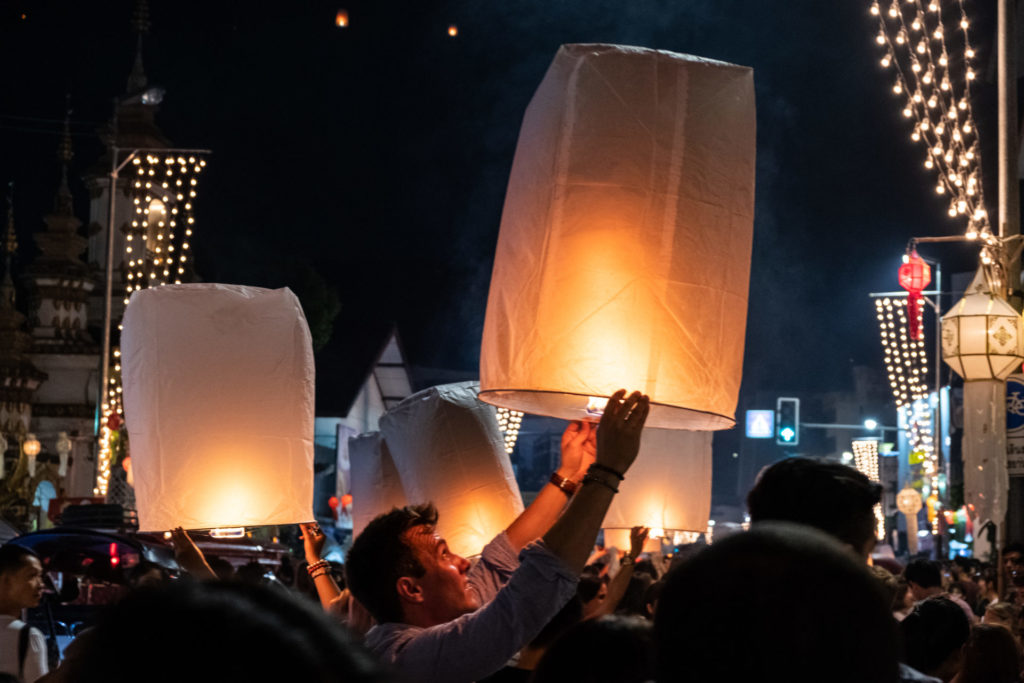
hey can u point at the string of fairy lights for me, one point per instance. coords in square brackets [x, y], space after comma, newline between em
[162, 191]
[933, 66]
[865, 459]
[509, 422]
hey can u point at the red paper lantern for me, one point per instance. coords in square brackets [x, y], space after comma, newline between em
[346, 500]
[914, 276]
[332, 502]
[114, 422]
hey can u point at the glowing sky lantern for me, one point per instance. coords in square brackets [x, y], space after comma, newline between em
[341, 19]
[218, 400]
[453, 30]
[446, 447]
[376, 487]
[623, 258]
[667, 489]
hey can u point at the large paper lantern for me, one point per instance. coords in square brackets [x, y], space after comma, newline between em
[982, 335]
[447, 449]
[668, 488]
[623, 258]
[218, 401]
[376, 487]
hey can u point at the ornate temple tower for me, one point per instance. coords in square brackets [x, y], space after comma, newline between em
[60, 284]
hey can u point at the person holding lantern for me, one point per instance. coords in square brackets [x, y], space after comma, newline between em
[438, 619]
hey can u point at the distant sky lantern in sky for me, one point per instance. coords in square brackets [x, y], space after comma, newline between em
[218, 399]
[447, 449]
[341, 19]
[623, 258]
[668, 488]
[453, 30]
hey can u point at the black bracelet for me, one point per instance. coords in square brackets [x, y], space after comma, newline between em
[598, 480]
[604, 468]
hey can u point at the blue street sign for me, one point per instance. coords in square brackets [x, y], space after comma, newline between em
[760, 424]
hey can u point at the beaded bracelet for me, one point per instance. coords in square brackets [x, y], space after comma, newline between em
[320, 564]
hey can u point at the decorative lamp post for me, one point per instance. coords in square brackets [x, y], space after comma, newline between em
[63, 446]
[983, 341]
[31, 446]
[623, 258]
[908, 501]
[914, 276]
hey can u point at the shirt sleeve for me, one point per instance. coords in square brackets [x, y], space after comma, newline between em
[478, 644]
[35, 659]
[494, 568]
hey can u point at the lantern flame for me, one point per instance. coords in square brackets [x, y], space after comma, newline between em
[595, 406]
[341, 19]
[228, 532]
[453, 30]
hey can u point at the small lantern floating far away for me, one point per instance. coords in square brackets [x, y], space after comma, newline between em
[453, 30]
[623, 258]
[218, 401]
[341, 19]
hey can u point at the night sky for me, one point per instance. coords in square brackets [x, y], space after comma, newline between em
[377, 155]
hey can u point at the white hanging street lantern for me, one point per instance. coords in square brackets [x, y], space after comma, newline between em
[983, 341]
[64, 446]
[982, 335]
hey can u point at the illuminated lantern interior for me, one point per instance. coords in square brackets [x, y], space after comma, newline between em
[447, 448]
[218, 399]
[623, 258]
[667, 489]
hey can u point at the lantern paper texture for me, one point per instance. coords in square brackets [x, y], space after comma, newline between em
[218, 399]
[982, 335]
[376, 487]
[623, 257]
[667, 488]
[447, 448]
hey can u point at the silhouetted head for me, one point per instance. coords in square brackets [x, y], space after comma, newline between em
[780, 602]
[933, 635]
[831, 497]
[614, 649]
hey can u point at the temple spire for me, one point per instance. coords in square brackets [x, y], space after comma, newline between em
[140, 26]
[62, 204]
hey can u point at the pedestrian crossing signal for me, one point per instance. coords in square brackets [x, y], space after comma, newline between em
[787, 421]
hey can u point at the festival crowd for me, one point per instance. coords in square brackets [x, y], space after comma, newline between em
[794, 598]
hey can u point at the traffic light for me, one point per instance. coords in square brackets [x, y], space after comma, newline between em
[787, 421]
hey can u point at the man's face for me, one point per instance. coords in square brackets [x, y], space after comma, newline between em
[445, 590]
[23, 587]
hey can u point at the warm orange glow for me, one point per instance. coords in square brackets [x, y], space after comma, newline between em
[453, 30]
[228, 532]
[341, 19]
[623, 257]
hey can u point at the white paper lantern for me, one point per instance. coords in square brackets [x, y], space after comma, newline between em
[982, 335]
[668, 488]
[623, 258]
[447, 449]
[376, 487]
[218, 400]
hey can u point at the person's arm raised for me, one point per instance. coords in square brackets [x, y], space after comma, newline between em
[618, 441]
[578, 452]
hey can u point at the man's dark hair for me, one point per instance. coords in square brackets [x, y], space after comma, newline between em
[1014, 547]
[835, 498]
[14, 557]
[797, 606]
[934, 630]
[589, 586]
[380, 556]
[924, 573]
[990, 656]
[295, 641]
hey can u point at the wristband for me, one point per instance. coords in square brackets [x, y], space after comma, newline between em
[568, 486]
[605, 468]
[590, 477]
[320, 564]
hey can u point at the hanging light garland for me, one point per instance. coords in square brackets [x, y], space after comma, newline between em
[162, 192]
[936, 89]
[865, 459]
[509, 422]
[907, 366]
